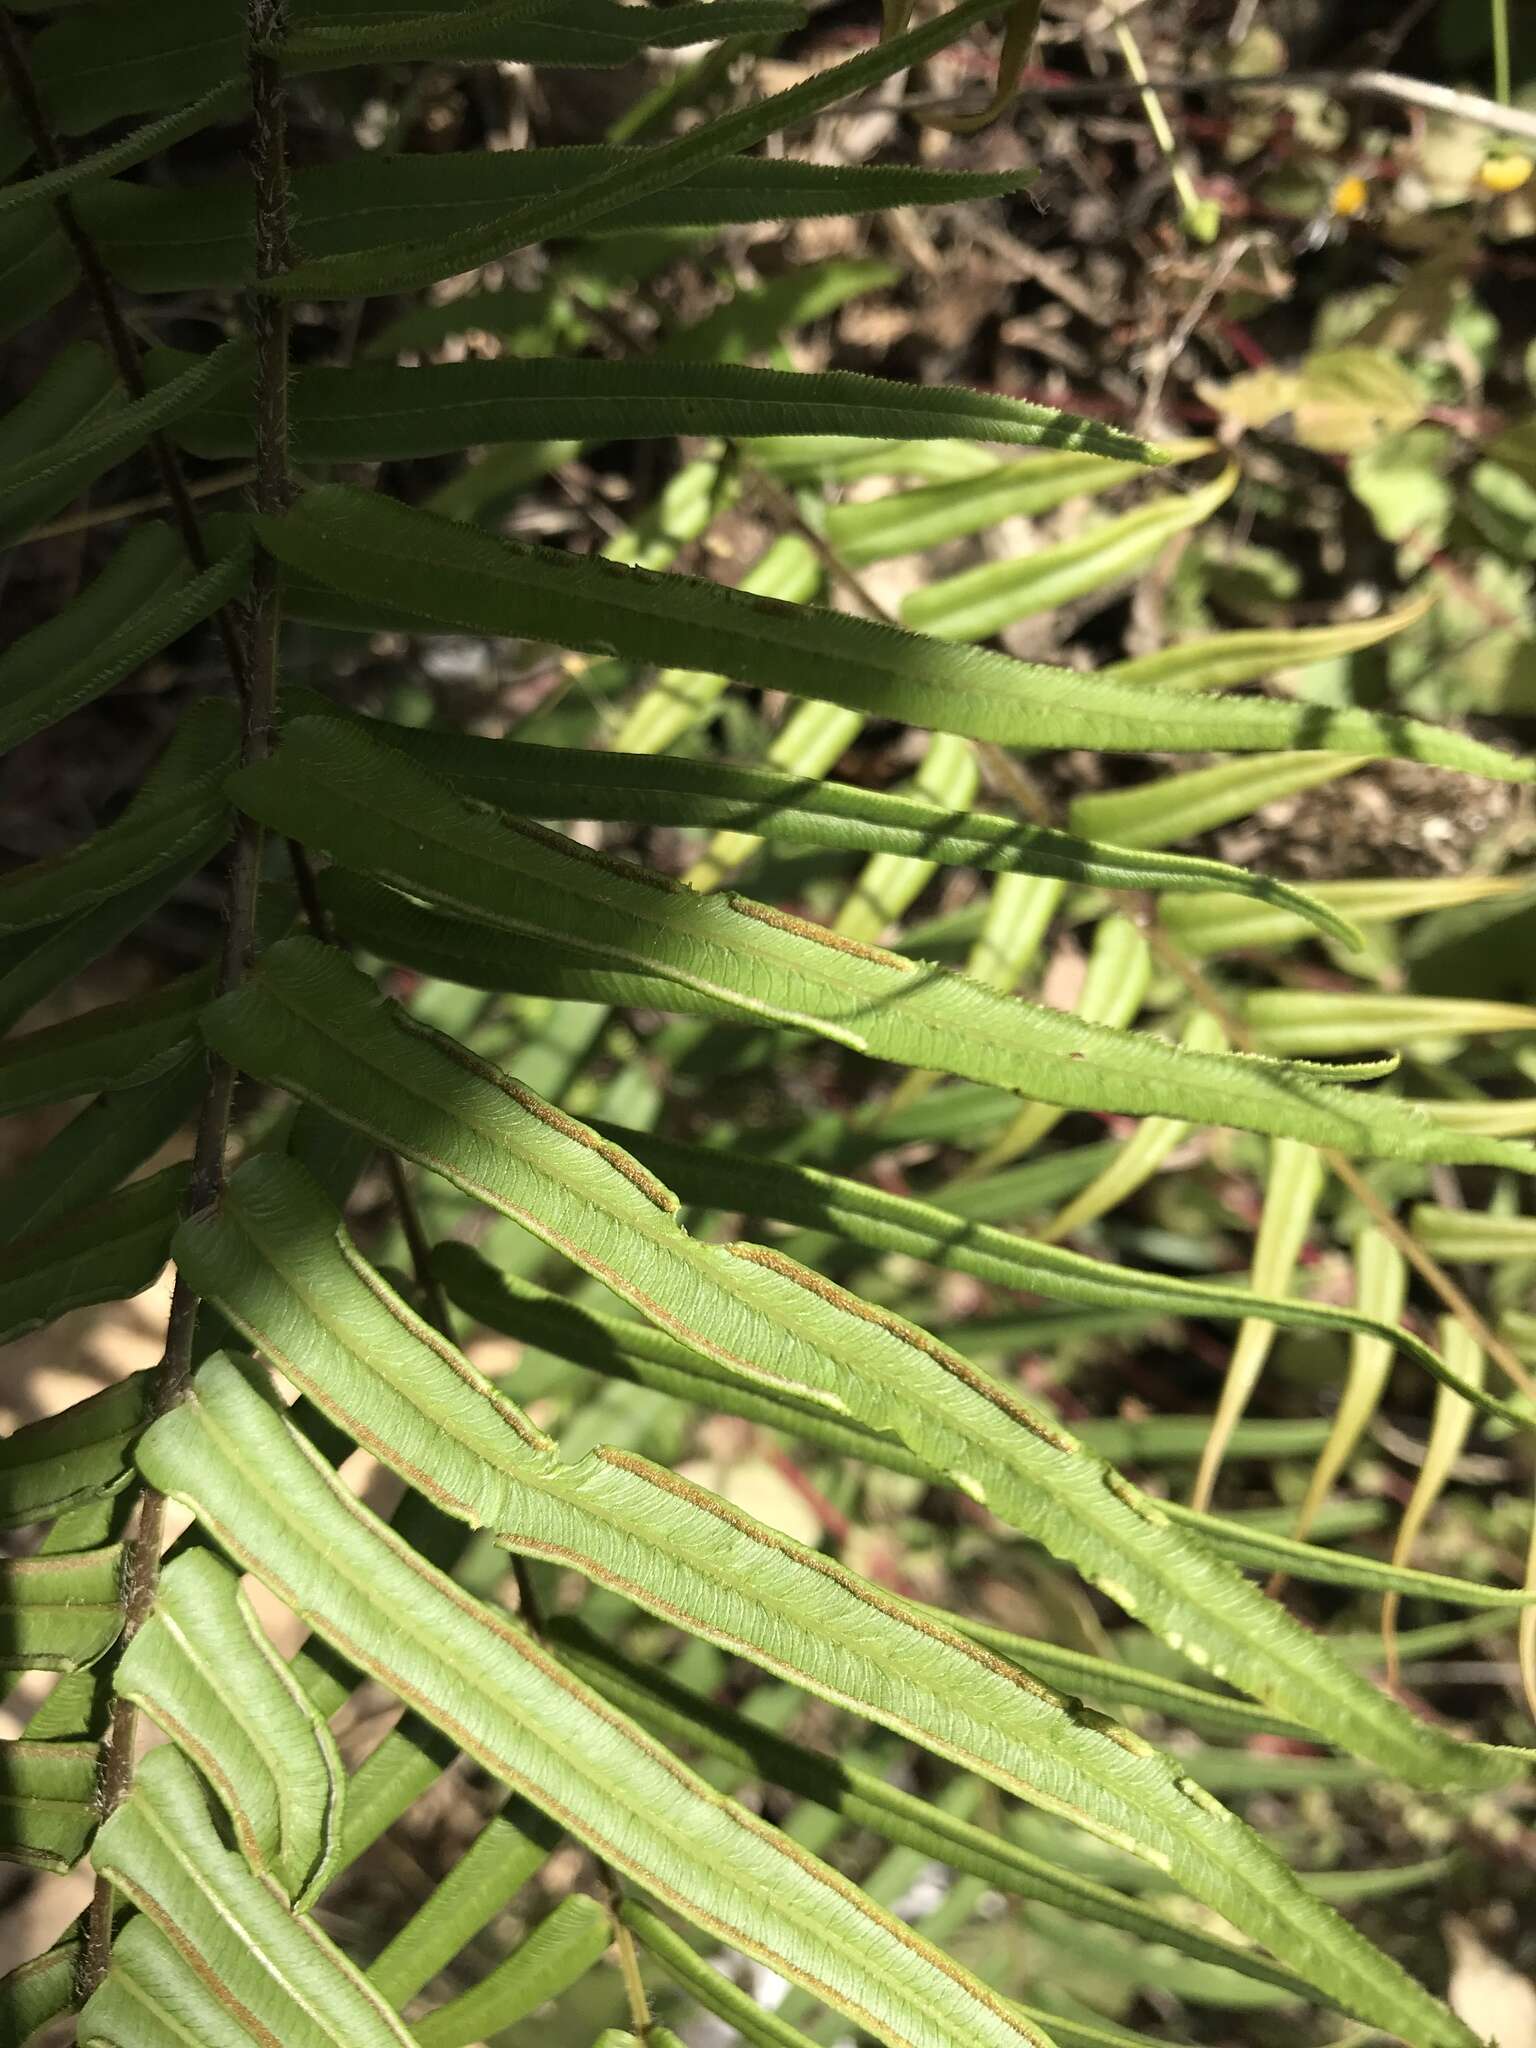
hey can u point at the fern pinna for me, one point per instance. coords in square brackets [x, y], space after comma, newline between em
[428, 1002]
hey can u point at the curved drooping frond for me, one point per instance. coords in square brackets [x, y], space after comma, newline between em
[700, 1729]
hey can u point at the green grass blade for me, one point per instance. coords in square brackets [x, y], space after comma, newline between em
[1224, 659]
[979, 602]
[908, 522]
[1293, 1187]
[503, 1856]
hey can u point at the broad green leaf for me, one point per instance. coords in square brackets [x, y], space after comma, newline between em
[59, 1613]
[202, 1667]
[60, 1462]
[865, 1800]
[362, 211]
[754, 962]
[272, 1973]
[178, 815]
[109, 1139]
[560, 1949]
[114, 1046]
[600, 196]
[332, 1328]
[47, 1803]
[222, 99]
[283, 1514]
[1348, 399]
[143, 600]
[376, 412]
[1222, 925]
[564, 782]
[1223, 659]
[373, 549]
[1471, 1235]
[317, 1027]
[106, 1252]
[979, 602]
[1381, 1287]
[1293, 1187]
[1173, 807]
[1289, 1021]
[36, 483]
[906, 522]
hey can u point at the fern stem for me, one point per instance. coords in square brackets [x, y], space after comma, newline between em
[256, 669]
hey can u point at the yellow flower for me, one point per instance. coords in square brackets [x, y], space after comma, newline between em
[1349, 197]
[1504, 173]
